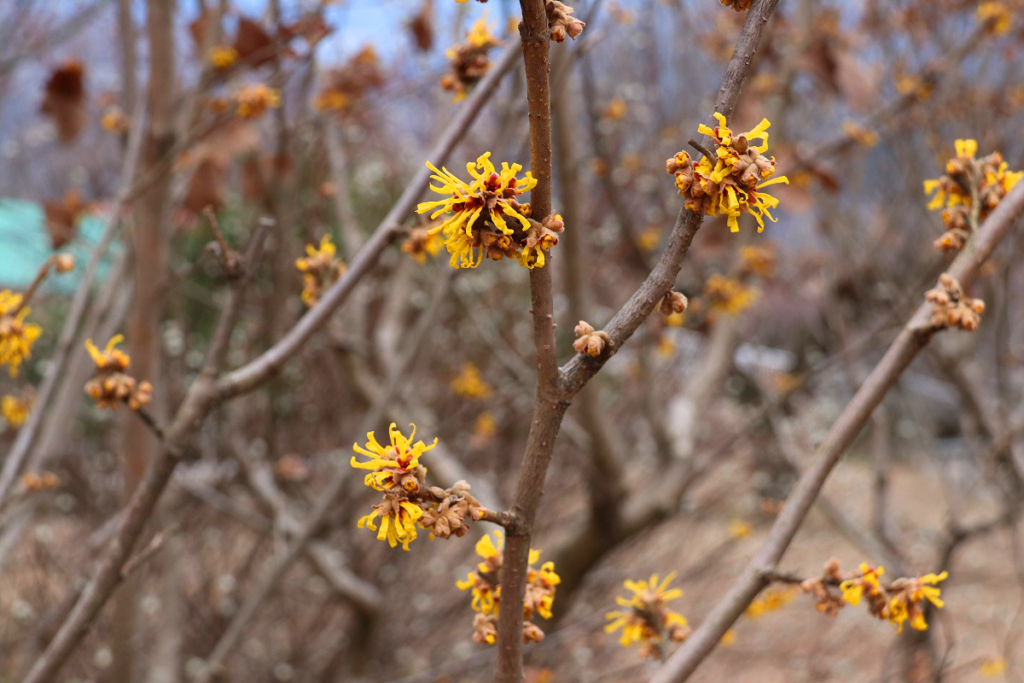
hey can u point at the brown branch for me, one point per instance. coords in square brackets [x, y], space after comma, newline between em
[548, 409]
[915, 334]
[577, 372]
[554, 396]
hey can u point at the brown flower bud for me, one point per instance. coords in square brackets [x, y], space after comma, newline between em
[673, 302]
[64, 263]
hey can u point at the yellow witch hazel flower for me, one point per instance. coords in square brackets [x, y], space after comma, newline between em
[729, 296]
[408, 502]
[900, 602]
[648, 622]
[770, 600]
[866, 584]
[396, 466]
[15, 409]
[988, 177]
[396, 471]
[730, 183]
[485, 585]
[222, 56]
[469, 384]
[908, 596]
[112, 384]
[486, 218]
[320, 269]
[16, 335]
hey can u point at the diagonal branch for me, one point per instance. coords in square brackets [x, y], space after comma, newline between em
[914, 336]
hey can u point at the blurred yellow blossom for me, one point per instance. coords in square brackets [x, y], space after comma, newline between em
[997, 14]
[729, 296]
[649, 238]
[770, 600]
[615, 110]
[469, 384]
[222, 56]
[16, 335]
[907, 596]
[254, 100]
[320, 269]
[485, 585]
[740, 528]
[15, 409]
[647, 621]
[991, 668]
[112, 385]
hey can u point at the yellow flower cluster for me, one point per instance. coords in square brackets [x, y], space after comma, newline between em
[730, 184]
[15, 409]
[478, 212]
[908, 597]
[114, 120]
[16, 335]
[485, 584]
[647, 622]
[737, 5]
[112, 385]
[320, 269]
[987, 178]
[900, 602]
[469, 60]
[468, 383]
[729, 296]
[222, 56]
[997, 15]
[421, 243]
[395, 470]
[758, 260]
[253, 100]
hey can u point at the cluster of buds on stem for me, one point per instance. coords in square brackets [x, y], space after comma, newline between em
[589, 341]
[486, 217]
[562, 22]
[485, 584]
[408, 502]
[45, 481]
[902, 601]
[469, 60]
[729, 183]
[112, 385]
[320, 269]
[952, 308]
[647, 622]
[968, 192]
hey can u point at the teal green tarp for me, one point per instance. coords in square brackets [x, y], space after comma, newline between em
[25, 245]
